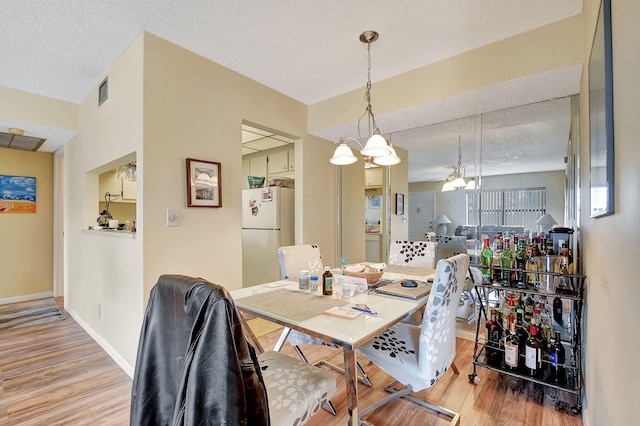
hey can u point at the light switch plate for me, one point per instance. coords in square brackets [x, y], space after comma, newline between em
[173, 217]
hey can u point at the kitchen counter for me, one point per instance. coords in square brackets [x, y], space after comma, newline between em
[110, 232]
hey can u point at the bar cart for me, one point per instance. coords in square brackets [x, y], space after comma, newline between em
[566, 320]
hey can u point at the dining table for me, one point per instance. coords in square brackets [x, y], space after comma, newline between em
[282, 302]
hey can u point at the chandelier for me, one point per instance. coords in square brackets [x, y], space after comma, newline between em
[456, 179]
[377, 150]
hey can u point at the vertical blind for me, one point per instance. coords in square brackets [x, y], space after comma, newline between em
[519, 207]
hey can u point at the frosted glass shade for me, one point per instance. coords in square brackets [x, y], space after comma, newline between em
[388, 160]
[376, 147]
[343, 155]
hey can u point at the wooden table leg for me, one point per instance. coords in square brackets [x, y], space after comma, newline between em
[351, 381]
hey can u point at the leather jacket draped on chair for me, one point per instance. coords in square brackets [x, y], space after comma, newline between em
[194, 365]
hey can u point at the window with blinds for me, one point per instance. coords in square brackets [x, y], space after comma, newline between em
[518, 207]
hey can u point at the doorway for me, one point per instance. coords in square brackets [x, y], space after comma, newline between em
[421, 209]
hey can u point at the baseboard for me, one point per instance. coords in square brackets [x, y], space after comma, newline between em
[123, 363]
[26, 298]
[465, 334]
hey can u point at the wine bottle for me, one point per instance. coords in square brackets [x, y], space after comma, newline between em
[557, 310]
[487, 259]
[557, 360]
[512, 349]
[532, 355]
[494, 335]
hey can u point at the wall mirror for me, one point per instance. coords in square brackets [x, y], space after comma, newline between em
[601, 116]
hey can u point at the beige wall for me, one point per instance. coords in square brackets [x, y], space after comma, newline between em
[167, 104]
[526, 54]
[27, 250]
[104, 273]
[612, 374]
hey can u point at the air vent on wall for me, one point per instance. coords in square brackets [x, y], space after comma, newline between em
[103, 91]
[19, 141]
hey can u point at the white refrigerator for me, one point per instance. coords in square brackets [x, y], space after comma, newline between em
[267, 223]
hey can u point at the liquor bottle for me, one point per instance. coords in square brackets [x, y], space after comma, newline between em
[327, 282]
[529, 306]
[549, 247]
[508, 312]
[494, 334]
[506, 261]
[565, 285]
[512, 349]
[497, 258]
[521, 265]
[557, 310]
[557, 360]
[487, 259]
[532, 353]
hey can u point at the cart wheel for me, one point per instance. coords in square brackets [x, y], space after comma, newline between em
[473, 378]
[576, 410]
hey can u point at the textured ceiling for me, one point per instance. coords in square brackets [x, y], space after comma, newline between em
[308, 50]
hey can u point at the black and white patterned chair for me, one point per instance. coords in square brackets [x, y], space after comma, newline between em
[296, 390]
[417, 357]
[418, 254]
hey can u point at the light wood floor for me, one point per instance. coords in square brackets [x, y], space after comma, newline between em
[55, 374]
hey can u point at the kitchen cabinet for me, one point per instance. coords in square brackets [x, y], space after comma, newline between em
[374, 177]
[281, 162]
[258, 166]
[565, 319]
[109, 182]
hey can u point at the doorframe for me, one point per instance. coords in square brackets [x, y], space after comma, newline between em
[59, 282]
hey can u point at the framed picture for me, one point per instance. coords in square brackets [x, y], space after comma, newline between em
[375, 201]
[18, 194]
[399, 203]
[204, 183]
[601, 156]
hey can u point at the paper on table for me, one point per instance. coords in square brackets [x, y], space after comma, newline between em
[339, 312]
[361, 283]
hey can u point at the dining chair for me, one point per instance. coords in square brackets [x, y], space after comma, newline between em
[419, 254]
[418, 356]
[195, 366]
[292, 260]
[448, 246]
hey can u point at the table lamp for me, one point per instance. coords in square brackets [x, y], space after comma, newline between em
[546, 221]
[441, 222]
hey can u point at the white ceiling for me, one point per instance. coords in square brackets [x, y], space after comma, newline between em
[308, 50]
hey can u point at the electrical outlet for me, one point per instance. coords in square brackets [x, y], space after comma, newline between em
[173, 217]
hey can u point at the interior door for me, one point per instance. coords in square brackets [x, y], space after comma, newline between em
[421, 210]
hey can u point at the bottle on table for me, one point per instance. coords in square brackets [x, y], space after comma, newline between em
[512, 349]
[303, 280]
[506, 261]
[556, 361]
[533, 353]
[486, 257]
[327, 282]
[313, 283]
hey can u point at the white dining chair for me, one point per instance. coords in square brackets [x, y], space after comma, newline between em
[418, 356]
[292, 260]
[418, 254]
